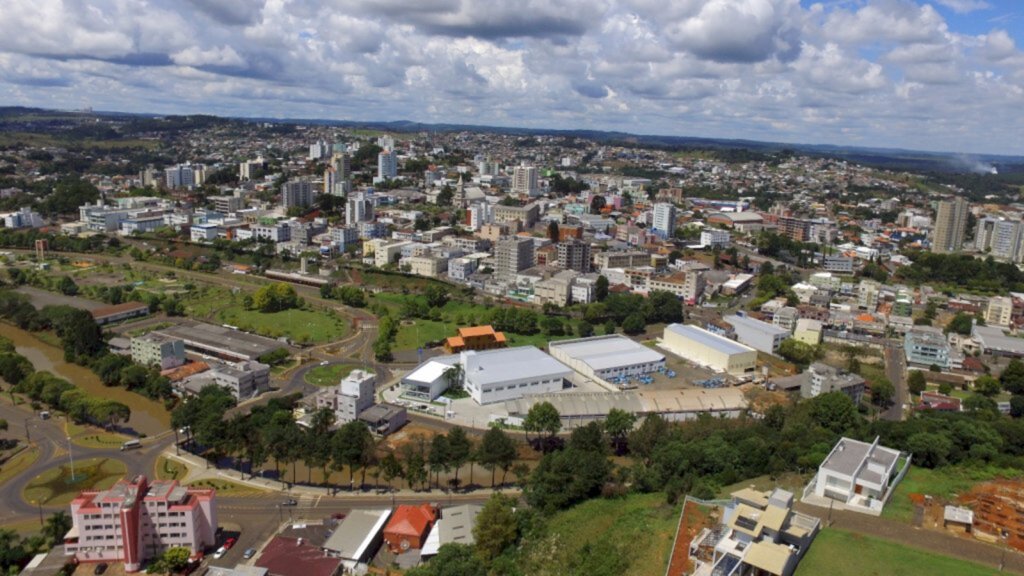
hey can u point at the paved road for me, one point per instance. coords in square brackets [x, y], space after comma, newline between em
[930, 540]
[895, 371]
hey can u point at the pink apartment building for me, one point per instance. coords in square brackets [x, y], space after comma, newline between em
[134, 521]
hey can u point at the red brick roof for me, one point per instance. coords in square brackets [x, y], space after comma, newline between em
[286, 557]
[411, 520]
[117, 309]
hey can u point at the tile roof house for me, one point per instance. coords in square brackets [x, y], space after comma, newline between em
[293, 557]
[408, 527]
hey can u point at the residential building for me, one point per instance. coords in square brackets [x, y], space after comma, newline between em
[350, 397]
[867, 295]
[475, 338]
[523, 216]
[188, 176]
[603, 260]
[156, 349]
[358, 208]
[757, 334]
[408, 527]
[384, 419]
[822, 379]
[340, 170]
[512, 254]
[245, 379]
[808, 331]
[664, 224]
[297, 193]
[859, 475]
[279, 232]
[999, 311]
[1006, 240]
[950, 224]
[227, 204]
[319, 149]
[574, 254]
[134, 521]
[23, 218]
[689, 285]
[250, 169]
[760, 535]
[427, 266]
[925, 346]
[461, 268]
[705, 348]
[357, 538]
[388, 253]
[525, 181]
[838, 264]
[556, 290]
[785, 318]
[387, 165]
[984, 231]
[607, 357]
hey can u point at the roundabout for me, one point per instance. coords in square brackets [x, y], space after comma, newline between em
[58, 487]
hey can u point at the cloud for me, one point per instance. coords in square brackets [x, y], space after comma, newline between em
[965, 6]
[880, 72]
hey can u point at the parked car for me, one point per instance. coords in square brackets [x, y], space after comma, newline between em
[229, 543]
[324, 363]
[100, 568]
[220, 552]
[249, 553]
[289, 502]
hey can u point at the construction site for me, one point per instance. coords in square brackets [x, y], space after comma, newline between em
[991, 512]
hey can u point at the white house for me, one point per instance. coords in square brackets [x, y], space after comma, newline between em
[858, 475]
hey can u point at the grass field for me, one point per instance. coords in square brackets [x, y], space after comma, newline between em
[789, 481]
[942, 483]
[228, 488]
[630, 536]
[167, 469]
[303, 326]
[17, 464]
[56, 488]
[840, 553]
[90, 437]
[329, 375]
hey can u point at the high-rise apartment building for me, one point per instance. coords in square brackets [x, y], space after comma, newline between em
[297, 193]
[512, 254]
[664, 224]
[338, 175]
[358, 208]
[1006, 240]
[387, 165]
[574, 254]
[186, 175]
[950, 224]
[525, 180]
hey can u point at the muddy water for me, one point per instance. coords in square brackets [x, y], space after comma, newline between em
[148, 416]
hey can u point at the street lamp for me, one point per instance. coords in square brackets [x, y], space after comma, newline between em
[71, 457]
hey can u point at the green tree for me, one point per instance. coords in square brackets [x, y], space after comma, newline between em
[460, 449]
[553, 232]
[619, 424]
[798, 352]
[609, 327]
[543, 417]
[882, 393]
[172, 561]
[440, 457]
[1016, 406]
[496, 451]
[496, 528]
[929, 449]
[945, 388]
[961, 324]
[834, 411]
[66, 285]
[584, 329]
[634, 324]
[1012, 377]
[987, 385]
[452, 560]
[916, 382]
[601, 288]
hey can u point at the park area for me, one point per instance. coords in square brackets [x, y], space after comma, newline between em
[840, 553]
[329, 375]
[57, 487]
[299, 326]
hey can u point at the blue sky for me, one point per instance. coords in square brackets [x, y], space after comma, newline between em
[944, 75]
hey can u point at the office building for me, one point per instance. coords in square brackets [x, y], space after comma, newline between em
[523, 216]
[23, 218]
[708, 349]
[525, 181]
[297, 193]
[134, 521]
[156, 349]
[350, 397]
[714, 238]
[926, 346]
[664, 222]
[512, 254]
[387, 165]
[950, 224]
[999, 311]
[687, 285]
[574, 254]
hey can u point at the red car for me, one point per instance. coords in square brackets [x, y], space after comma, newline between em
[229, 543]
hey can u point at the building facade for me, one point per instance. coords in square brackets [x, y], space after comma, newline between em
[950, 224]
[155, 349]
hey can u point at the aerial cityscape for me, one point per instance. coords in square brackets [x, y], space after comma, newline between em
[716, 288]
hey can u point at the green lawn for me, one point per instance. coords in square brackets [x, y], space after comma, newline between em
[17, 464]
[631, 536]
[301, 326]
[942, 483]
[167, 469]
[55, 487]
[329, 375]
[840, 553]
[91, 437]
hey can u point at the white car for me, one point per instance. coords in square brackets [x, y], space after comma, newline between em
[220, 552]
[324, 363]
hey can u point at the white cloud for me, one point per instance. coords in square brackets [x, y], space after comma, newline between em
[884, 72]
[965, 6]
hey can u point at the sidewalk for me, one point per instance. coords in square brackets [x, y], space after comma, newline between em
[198, 471]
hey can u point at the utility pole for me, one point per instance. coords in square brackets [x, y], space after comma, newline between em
[71, 457]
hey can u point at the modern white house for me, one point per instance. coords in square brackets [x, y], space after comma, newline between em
[859, 476]
[430, 379]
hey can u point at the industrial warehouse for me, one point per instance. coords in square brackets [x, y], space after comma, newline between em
[609, 358]
[708, 349]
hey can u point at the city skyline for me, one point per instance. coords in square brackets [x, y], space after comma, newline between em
[937, 75]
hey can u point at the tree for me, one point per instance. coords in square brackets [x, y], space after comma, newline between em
[797, 352]
[460, 448]
[882, 393]
[834, 411]
[585, 329]
[945, 388]
[495, 529]
[980, 404]
[929, 449]
[987, 385]
[66, 285]
[390, 468]
[644, 439]
[566, 477]
[916, 382]
[453, 375]
[275, 298]
[597, 203]
[1012, 377]
[172, 561]
[601, 288]
[440, 457]
[452, 560]
[496, 451]
[350, 447]
[619, 424]
[553, 232]
[543, 417]
[961, 324]
[634, 324]
[1016, 406]
[609, 327]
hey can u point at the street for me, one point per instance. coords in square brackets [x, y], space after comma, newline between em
[895, 371]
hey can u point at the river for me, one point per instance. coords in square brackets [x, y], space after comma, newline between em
[148, 416]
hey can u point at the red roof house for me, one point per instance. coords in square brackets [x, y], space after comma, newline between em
[408, 527]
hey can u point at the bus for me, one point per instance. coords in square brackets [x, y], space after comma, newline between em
[131, 445]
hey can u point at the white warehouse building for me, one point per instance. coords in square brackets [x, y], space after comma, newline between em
[705, 348]
[509, 373]
[607, 357]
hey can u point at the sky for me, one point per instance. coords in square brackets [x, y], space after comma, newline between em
[942, 75]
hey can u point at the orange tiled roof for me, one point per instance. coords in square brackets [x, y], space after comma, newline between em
[476, 331]
[411, 520]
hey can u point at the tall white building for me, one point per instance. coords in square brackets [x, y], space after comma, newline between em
[297, 193]
[387, 165]
[664, 223]
[1006, 240]
[512, 254]
[338, 176]
[525, 180]
[950, 224]
[350, 397]
[319, 149]
[480, 213]
[186, 175]
[358, 208]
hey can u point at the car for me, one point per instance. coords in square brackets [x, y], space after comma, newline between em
[249, 553]
[220, 552]
[324, 363]
[289, 502]
[100, 568]
[229, 543]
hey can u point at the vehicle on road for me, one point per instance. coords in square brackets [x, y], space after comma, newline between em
[249, 553]
[131, 444]
[220, 552]
[229, 543]
[44, 415]
[324, 363]
[289, 502]
[100, 568]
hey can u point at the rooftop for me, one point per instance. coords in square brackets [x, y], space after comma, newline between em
[754, 324]
[602, 352]
[117, 309]
[287, 557]
[522, 362]
[848, 456]
[709, 339]
[355, 533]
